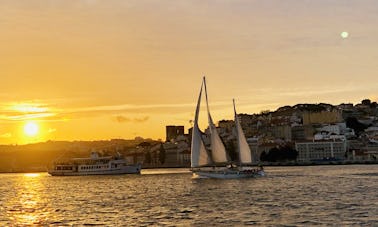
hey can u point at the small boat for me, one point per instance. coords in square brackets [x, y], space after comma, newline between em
[215, 162]
[94, 165]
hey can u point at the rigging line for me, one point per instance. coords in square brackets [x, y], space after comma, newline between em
[198, 106]
[207, 105]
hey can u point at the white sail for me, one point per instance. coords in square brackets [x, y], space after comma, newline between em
[218, 151]
[199, 156]
[244, 151]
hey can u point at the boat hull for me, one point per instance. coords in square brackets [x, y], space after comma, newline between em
[131, 169]
[228, 174]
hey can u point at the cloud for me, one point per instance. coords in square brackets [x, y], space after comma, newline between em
[141, 120]
[22, 117]
[6, 135]
[121, 112]
[44, 112]
[51, 130]
[123, 107]
[93, 111]
[24, 111]
[121, 119]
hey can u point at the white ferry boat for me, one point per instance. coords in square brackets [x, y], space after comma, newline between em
[94, 165]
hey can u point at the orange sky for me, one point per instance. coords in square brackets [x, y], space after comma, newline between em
[84, 70]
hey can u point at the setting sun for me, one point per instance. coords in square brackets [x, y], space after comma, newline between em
[31, 129]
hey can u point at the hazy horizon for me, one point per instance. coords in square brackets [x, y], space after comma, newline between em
[89, 70]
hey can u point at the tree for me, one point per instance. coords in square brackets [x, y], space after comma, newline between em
[144, 144]
[162, 154]
[282, 153]
[291, 153]
[353, 123]
[265, 112]
[263, 156]
[366, 102]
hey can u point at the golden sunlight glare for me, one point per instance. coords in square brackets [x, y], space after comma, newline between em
[31, 129]
[32, 174]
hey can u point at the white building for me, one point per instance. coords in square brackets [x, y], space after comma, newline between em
[318, 150]
[337, 131]
[332, 128]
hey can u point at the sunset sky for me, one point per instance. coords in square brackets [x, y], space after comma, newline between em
[102, 69]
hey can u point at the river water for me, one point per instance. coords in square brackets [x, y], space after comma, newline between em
[288, 196]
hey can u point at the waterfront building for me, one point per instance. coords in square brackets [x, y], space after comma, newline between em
[320, 150]
[173, 131]
[176, 153]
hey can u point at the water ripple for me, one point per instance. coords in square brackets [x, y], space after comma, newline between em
[288, 196]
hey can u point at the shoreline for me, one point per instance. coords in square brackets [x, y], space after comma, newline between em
[317, 163]
[268, 164]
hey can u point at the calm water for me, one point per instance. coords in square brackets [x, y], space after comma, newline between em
[297, 196]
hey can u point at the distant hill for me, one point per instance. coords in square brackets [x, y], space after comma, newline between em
[36, 157]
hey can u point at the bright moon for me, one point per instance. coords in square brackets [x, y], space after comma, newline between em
[344, 35]
[31, 129]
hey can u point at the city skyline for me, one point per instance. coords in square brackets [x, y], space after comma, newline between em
[89, 70]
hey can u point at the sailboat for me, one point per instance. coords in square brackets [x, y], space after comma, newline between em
[215, 162]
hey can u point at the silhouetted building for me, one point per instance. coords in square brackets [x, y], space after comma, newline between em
[227, 125]
[282, 132]
[173, 131]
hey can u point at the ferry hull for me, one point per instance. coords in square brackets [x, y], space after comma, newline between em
[134, 169]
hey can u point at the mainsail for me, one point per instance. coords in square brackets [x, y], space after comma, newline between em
[199, 156]
[218, 151]
[244, 151]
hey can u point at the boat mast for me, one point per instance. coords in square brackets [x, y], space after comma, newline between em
[237, 132]
[207, 100]
[199, 153]
[196, 143]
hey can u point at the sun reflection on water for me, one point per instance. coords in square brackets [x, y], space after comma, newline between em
[26, 207]
[32, 174]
